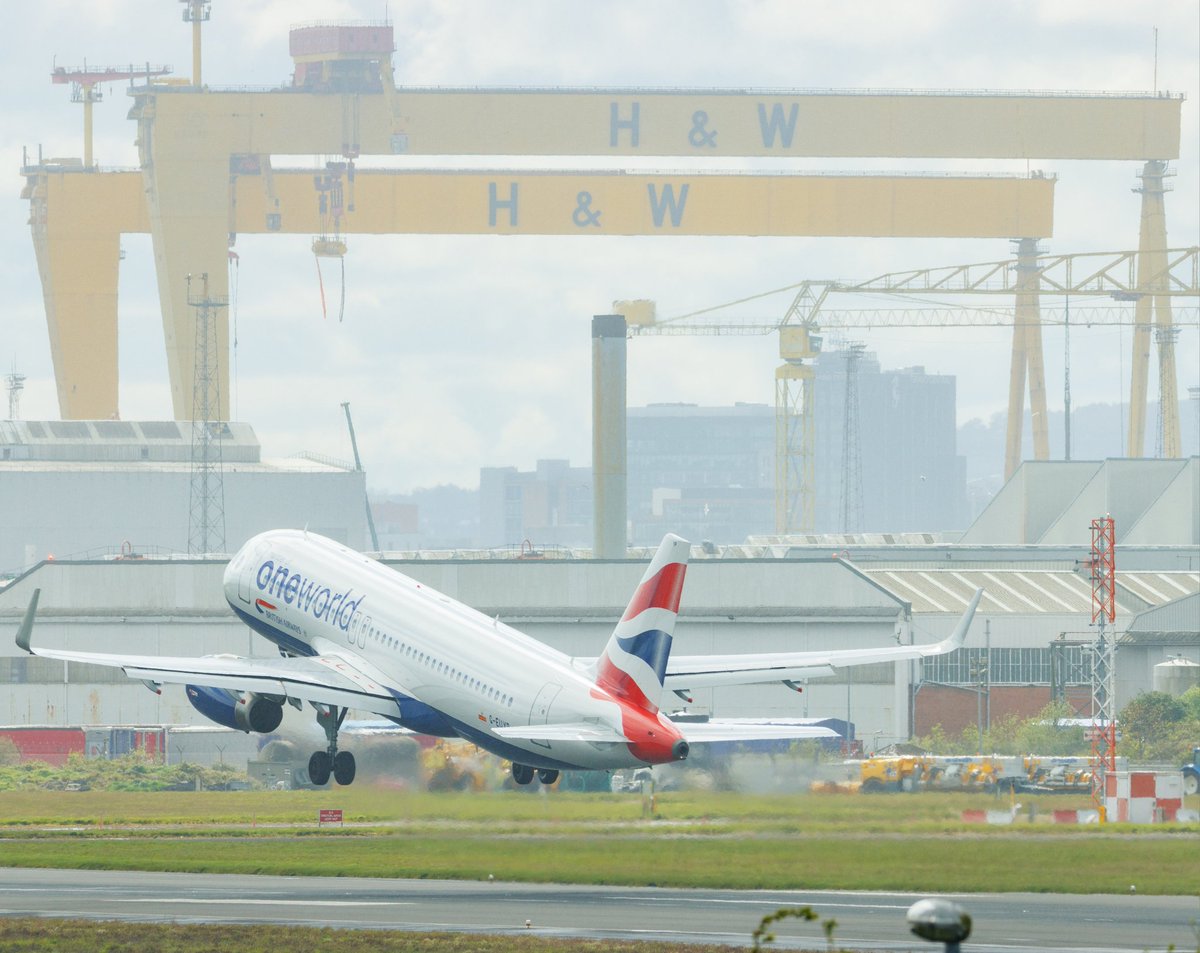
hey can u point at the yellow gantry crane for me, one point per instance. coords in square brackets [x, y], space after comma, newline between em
[194, 193]
[1124, 277]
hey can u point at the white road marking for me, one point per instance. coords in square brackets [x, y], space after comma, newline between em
[770, 903]
[268, 903]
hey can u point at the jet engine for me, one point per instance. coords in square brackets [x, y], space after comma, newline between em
[242, 711]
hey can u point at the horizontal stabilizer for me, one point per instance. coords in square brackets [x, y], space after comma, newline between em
[704, 732]
[695, 672]
[566, 731]
[687, 672]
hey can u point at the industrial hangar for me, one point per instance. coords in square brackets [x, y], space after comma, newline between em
[771, 594]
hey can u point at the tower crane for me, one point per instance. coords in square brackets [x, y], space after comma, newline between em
[1132, 276]
[1121, 276]
[84, 82]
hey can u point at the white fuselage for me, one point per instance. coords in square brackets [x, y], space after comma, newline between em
[452, 669]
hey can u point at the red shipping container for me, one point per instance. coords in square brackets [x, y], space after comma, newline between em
[52, 745]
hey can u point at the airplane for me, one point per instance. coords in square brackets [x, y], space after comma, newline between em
[355, 634]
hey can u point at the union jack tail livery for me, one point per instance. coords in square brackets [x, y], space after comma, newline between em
[634, 662]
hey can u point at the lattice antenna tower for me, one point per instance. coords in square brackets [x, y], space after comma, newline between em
[1104, 612]
[206, 523]
[16, 384]
[852, 494]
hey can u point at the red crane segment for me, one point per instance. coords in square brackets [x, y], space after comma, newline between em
[83, 90]
[91, 75]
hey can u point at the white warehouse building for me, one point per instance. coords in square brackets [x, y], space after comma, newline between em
[70, 488]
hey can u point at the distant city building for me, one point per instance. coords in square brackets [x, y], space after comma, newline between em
[706, 473]
[441, 517]
[550, 506]
[912, 476]
[74, 488]
[396, 524]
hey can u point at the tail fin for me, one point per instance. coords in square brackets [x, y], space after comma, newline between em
[635, 660]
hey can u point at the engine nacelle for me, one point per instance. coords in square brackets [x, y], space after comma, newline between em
[245, 711]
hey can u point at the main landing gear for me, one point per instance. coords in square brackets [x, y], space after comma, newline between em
[331, 761]
[523, 774]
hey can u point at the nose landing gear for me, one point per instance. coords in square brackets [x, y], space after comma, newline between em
[331, 761]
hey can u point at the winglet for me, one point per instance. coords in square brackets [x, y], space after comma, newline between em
[956, 638]
[26, 629]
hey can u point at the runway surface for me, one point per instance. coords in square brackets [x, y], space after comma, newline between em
[873, 921]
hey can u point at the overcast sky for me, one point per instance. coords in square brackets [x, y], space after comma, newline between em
[458, 353]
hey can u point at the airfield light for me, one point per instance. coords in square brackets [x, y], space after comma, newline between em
[940, 921]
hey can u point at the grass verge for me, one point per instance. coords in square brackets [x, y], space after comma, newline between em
[926, 863]
[28, 935]
[697, 839]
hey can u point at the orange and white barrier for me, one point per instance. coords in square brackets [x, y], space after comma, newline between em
[1076, 817]
[1143, 797]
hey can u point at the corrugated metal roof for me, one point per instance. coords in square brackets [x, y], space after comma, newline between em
[284, 465]
[1178, 617]
[1027, 591]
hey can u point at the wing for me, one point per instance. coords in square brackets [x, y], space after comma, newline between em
[700, 671]
[704, 732]
[330, 679]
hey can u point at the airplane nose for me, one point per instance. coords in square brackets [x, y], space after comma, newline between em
[679, 750]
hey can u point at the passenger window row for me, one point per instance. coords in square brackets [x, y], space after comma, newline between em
[442, 668]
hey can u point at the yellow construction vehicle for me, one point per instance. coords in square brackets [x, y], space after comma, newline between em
[928, 773]
[1056, 775]
[902, 773]
[963, 773]
[452, 765]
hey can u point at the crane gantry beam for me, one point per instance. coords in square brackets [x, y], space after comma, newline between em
[67, 207]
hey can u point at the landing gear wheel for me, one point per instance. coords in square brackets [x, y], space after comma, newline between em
[547, 776]
[330, 761]
[522, 773]
[319, 766]
[343, 767]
